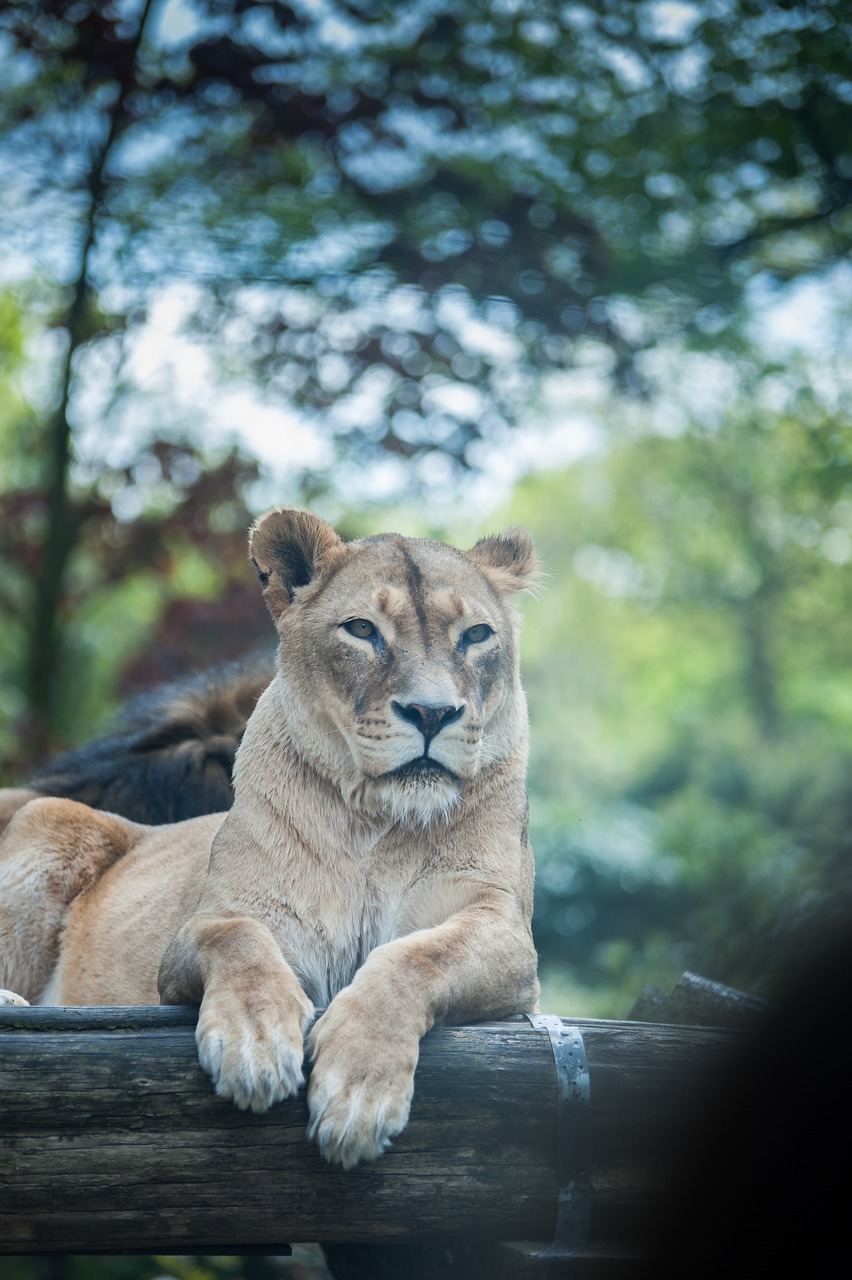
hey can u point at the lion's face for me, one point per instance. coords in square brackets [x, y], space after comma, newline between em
[398, 658]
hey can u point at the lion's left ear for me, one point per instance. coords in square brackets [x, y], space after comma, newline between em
[288, 548]
[507, 559]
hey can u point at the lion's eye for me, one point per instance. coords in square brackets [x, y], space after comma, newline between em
[476, 635]
[360, 627]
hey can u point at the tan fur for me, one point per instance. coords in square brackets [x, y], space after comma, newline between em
[11, 800]
[396, 899]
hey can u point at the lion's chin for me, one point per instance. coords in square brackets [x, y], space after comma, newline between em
[422, 770]
[419, 792]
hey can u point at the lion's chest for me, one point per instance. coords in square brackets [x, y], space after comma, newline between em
[328, 922]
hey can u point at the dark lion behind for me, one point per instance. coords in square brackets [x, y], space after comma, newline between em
[170, 755]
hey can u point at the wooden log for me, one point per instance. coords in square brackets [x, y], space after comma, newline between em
[695, 1001]
[111, 1139]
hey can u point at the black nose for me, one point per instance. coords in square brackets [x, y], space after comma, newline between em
[429, 720]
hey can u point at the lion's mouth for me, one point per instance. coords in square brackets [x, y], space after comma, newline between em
[422, 767]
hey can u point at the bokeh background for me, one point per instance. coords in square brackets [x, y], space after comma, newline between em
[440, 266]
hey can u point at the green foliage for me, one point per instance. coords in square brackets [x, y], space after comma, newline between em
[401, 218]
[396, 218]
[400, 214]
[306, 1263]
[159, 586]
[688, 670]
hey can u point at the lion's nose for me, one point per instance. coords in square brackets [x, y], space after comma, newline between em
[429, 720]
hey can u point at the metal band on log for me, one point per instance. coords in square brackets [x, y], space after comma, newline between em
[111, 1139]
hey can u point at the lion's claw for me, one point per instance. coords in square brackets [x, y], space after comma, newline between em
[12, 998]
[352, 1126]
[253, 1056]
[361, 1084]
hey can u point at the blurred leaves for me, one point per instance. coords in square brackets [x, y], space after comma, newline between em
[690, 784]
[159, 585]
[398, 214]
[306, 1263]
[397, 222]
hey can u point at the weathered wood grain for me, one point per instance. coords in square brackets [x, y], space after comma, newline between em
[112, 1140]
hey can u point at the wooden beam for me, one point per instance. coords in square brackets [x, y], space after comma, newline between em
[111, 1139]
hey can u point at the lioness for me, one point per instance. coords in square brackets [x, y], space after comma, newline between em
[375, 860]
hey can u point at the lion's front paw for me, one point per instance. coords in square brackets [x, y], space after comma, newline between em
[11, 997]
[361, 1085]
[252, 1045]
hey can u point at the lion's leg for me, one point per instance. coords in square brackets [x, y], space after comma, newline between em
[51, 851]
[480, 963]
[253, 1015]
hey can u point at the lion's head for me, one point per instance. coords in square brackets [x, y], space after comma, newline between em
[398, 662]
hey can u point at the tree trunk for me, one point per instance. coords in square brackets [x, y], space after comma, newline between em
[63, 524]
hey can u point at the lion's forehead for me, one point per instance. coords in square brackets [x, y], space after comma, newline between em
[410, 582]
[440, 612]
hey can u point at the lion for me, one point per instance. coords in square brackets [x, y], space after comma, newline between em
[171, 754]
[375, 862]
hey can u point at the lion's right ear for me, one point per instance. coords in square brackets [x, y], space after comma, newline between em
[288, 548]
